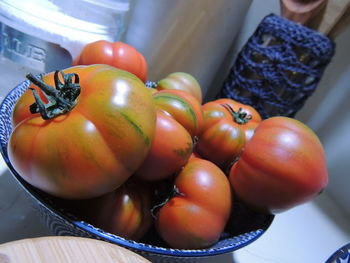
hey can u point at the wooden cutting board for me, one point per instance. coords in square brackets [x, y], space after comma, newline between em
[64, 250]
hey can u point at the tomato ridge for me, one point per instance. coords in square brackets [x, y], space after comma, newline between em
[182, 102]
[146, 139]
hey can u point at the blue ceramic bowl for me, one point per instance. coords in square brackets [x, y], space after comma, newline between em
[342, 255]
[248, 227]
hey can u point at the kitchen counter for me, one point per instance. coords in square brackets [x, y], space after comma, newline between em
[308, 233]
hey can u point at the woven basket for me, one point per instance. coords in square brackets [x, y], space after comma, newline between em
[279, 67]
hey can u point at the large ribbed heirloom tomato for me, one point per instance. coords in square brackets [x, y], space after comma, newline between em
[87, 136]
[282, 166]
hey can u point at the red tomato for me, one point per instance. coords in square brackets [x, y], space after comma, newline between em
[171, 148]
[227, 126]
[94, 147]
[125, 212]
[181, 81]
[196, 215]
[283, 165]
[117, 54]
[183, 107]
[195, 155]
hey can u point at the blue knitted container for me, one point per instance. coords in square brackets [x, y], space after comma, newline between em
[279, 67]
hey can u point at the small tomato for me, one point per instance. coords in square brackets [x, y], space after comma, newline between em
[171, 148]
[183, 107]
[227, 126]
[116, 54]
[181, 81]
[125, 212]
[196, 215]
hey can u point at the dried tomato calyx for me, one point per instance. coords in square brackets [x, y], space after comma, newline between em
[240, 116]
[61, 99]
[174, 191]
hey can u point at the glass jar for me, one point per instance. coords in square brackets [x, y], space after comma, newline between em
[44, 35]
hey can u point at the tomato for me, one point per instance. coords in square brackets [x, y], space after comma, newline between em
[195, 155]
[92, 148]
[117, 54]
[125, 212]
[283, 165]
[196, 215]
[181, 81]
[171, 148]
[183, 107]
[227, 126]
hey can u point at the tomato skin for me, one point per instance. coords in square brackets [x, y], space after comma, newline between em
[223, 138]
[125, 212]
[116, 54]
[171, 148]
[183, 107]
[196, 217]
[181, 81]
[221, 143]
[282, 166]
[214, 111]
[95, 147]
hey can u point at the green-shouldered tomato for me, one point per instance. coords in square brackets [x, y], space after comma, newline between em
[227, 126]
[94, 145]
[181, 81]
[183, 107]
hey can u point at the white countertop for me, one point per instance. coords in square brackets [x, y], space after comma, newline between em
[309, 233]
[303, 234]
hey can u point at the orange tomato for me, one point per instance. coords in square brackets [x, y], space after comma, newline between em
[171, 148]
[227, 126]
[116, 54]
[197, 213]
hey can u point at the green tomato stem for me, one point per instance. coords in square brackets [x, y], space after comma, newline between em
[174, 192]
[239, 116]
[61, 99]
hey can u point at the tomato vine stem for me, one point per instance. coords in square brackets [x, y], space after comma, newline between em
[174, 192]
[61, 98]
[240, 116]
